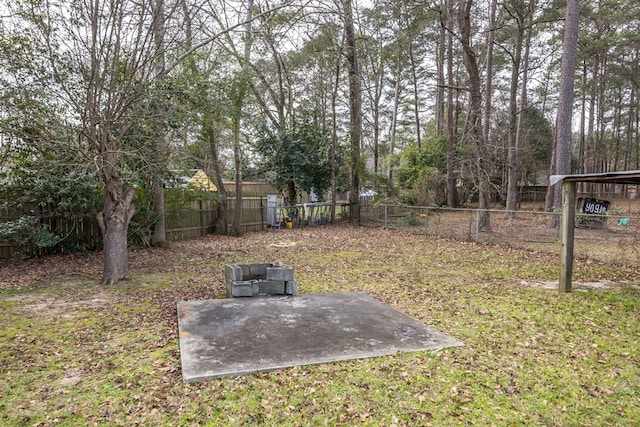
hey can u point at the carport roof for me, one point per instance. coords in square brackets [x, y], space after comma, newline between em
[625, 177]
[568, 213]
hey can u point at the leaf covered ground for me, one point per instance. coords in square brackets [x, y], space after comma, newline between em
[73, 352]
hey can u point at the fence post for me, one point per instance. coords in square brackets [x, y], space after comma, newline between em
[567, 224]
[385, 215]
[477, 225]
[200, 214]
[426, 220]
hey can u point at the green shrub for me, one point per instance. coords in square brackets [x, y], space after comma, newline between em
[28, 236]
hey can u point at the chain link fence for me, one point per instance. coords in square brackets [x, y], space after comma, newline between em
[609, 238]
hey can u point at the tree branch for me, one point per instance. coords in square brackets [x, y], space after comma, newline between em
[223, 32]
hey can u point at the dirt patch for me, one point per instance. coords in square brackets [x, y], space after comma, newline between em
[71, 378]
[43, 271]
[42, 306]
[62, 296]
[283, 244]
[602, 285]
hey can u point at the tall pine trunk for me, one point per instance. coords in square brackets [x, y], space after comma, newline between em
[488, 102]
[416, 97]
[475, 116]
[452, 199]
[394, 114]
[512, 158]
[334, 138]
[565, 106]
[240, 93]
[440, 67]
[524, 100]
[159, 235]
[355, 109]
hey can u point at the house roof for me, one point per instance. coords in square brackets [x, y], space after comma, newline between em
[194, 178]
[202, 181]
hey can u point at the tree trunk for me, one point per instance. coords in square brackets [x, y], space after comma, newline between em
[394, 116]
[512, 158]
[215, 171]
[452, 199]
[524, 100]
[637, 138]
[236, 229]
[440, 67]
[583, 115]
[378, 88]
[612, 164]
[334, 138]
[355, 109]
[565, 106]
[114, 221]
[374, 71]
[159, 236]
[475, 116]
[416, 98]
[630, 125]
[292, 198]
[488, 102]
[590, 156]
[548, 200]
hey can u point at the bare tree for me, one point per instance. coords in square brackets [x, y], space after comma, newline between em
[103, 59]
[122, 59]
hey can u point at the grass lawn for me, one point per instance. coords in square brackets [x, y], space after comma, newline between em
[73, 352]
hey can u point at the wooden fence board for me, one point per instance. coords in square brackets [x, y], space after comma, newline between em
[196, 219]
[6, 251]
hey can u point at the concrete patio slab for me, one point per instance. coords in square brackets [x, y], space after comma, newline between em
[231, 337]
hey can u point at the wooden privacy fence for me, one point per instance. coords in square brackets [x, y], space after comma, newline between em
[195, 219]
[254, 213]
[82, 232]
[199, 218]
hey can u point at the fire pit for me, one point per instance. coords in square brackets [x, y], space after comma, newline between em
[247, 280]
